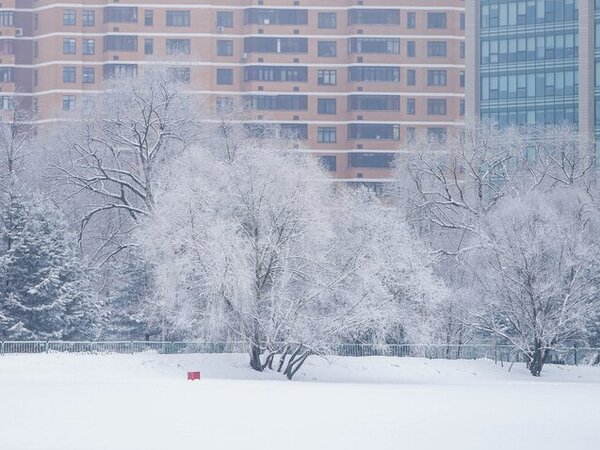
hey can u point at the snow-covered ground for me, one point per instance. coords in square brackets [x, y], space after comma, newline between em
[131, 402]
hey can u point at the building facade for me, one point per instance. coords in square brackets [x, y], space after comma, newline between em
[353, 79]
[534, 61]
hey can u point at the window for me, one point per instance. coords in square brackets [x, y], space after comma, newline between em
[120, 14]
[436, 106]
[7, 74]
[462, 50]
[180, 74]
[262, 16]
[120, 43]
[275, 45]
[327, 48]
[328, 162]
[89, 18]
[149, 17]
[68, 103]
[462, 107]
[6, 103]
[178, 47]
[225, 19]
[224, 48]
[326, 106]
[436, 134]
[36, 20]
[462, 21]
[294, 130]
[436, 20]
[327, 20]
[373, 74]
[436, 48]
[148, 46]
[69, 17]
[411, 20]
[88, 75]
[461, 78]
[411, 106]
[278, 102]
[436, 78]
[69, 46]
[411, 135]
[35, 77]
[224, 76]
[224, 104]
[327, 77]
[119, 70]
[373, 131]
[410, 49]
[69, 75]
[373, 160]
[89, 46]
[373, 16]
[374, 103]
[411, 77]
[7, 46]
[373, 45]
[275, 73]
[7, 19]
[327, 135]
[178, 18]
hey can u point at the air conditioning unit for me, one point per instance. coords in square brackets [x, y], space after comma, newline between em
[220, 29]
[18, 32]
[244, 56]
[266, 21]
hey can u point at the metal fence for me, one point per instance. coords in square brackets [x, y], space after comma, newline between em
[498, 353]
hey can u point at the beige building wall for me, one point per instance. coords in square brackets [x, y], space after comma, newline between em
[49, 43]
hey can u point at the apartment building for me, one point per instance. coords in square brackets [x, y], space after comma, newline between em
[534, 61]
[354, 80]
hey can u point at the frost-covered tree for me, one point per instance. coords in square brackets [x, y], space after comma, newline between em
[465, 193]
[131, 285]
[112, 158]
[251, 242]
[537, 271]
[44, 291]
[452, 185]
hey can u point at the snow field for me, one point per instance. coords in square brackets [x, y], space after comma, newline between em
[143, 401]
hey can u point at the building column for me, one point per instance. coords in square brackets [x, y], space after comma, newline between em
[472, 59]
[586, 69]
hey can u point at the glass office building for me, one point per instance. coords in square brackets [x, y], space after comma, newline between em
[534, 61]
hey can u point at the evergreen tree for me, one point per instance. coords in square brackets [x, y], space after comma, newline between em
[44, 289]
[131, 286]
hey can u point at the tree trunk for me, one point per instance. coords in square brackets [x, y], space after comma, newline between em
[282, 358]
[255, 357]
[537, 359]
[295, 365]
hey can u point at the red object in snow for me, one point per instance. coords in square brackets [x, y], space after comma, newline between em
[193, 375]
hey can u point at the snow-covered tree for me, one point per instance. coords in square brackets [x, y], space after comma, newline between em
[131, 285]
[537, 271]
[113, 157]
[44, 291]
[251, 242]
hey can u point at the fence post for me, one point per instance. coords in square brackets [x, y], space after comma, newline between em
[495, 353]
[131, 347]
[2, 348]
[46, 347]
[575, 353]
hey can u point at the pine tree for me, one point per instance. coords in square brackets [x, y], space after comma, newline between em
[130, 288]
[44, 289]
